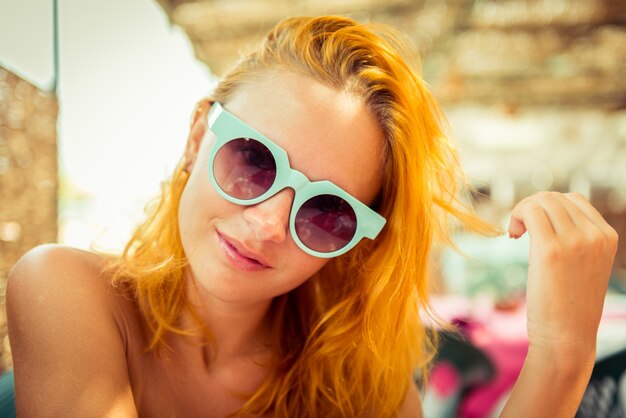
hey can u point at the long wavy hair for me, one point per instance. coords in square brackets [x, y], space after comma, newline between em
[348, 340]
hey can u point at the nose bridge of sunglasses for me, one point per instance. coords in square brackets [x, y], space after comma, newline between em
[296, 180]
[287, 179]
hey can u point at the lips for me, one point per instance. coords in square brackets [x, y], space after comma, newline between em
[241, 254]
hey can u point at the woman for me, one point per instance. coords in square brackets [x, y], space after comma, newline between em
[284, 269]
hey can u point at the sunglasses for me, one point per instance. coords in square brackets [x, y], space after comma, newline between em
[246, 168]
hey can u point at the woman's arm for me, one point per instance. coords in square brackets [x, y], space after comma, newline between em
[551, 384]
[571, 255]
[67, 350]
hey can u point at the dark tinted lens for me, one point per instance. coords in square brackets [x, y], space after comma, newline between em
[325, 223]
[244, 168]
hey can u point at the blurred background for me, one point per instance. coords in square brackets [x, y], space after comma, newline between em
[95, 101]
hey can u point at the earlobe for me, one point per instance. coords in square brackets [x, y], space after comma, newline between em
[196, 132]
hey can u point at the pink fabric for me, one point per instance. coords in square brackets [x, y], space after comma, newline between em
[502, 336]
[445, 379]
[507, 357]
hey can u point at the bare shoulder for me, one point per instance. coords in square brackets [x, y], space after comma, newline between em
[412, 406]
[51, 273]
[67, 347]
[37, 264]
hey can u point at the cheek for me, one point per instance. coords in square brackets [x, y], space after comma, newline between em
[186, 220]
[298, 268]
[199, 200]
[198, 205]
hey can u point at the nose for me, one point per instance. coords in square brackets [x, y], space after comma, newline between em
[270, 219]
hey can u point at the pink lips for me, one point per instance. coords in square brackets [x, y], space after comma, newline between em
[239, 256]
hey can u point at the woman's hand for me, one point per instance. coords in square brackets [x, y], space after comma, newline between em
[571, 254]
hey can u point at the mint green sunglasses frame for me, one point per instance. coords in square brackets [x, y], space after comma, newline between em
[228, 127]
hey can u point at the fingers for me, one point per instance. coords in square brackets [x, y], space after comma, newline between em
[581, 203]
[567, 215]
[529, 215]
[545, 205]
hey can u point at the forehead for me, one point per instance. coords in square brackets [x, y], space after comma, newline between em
[327, 133]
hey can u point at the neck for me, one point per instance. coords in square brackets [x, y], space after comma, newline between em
[239, 329]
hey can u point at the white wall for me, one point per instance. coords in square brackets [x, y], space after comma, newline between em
[127, 85]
